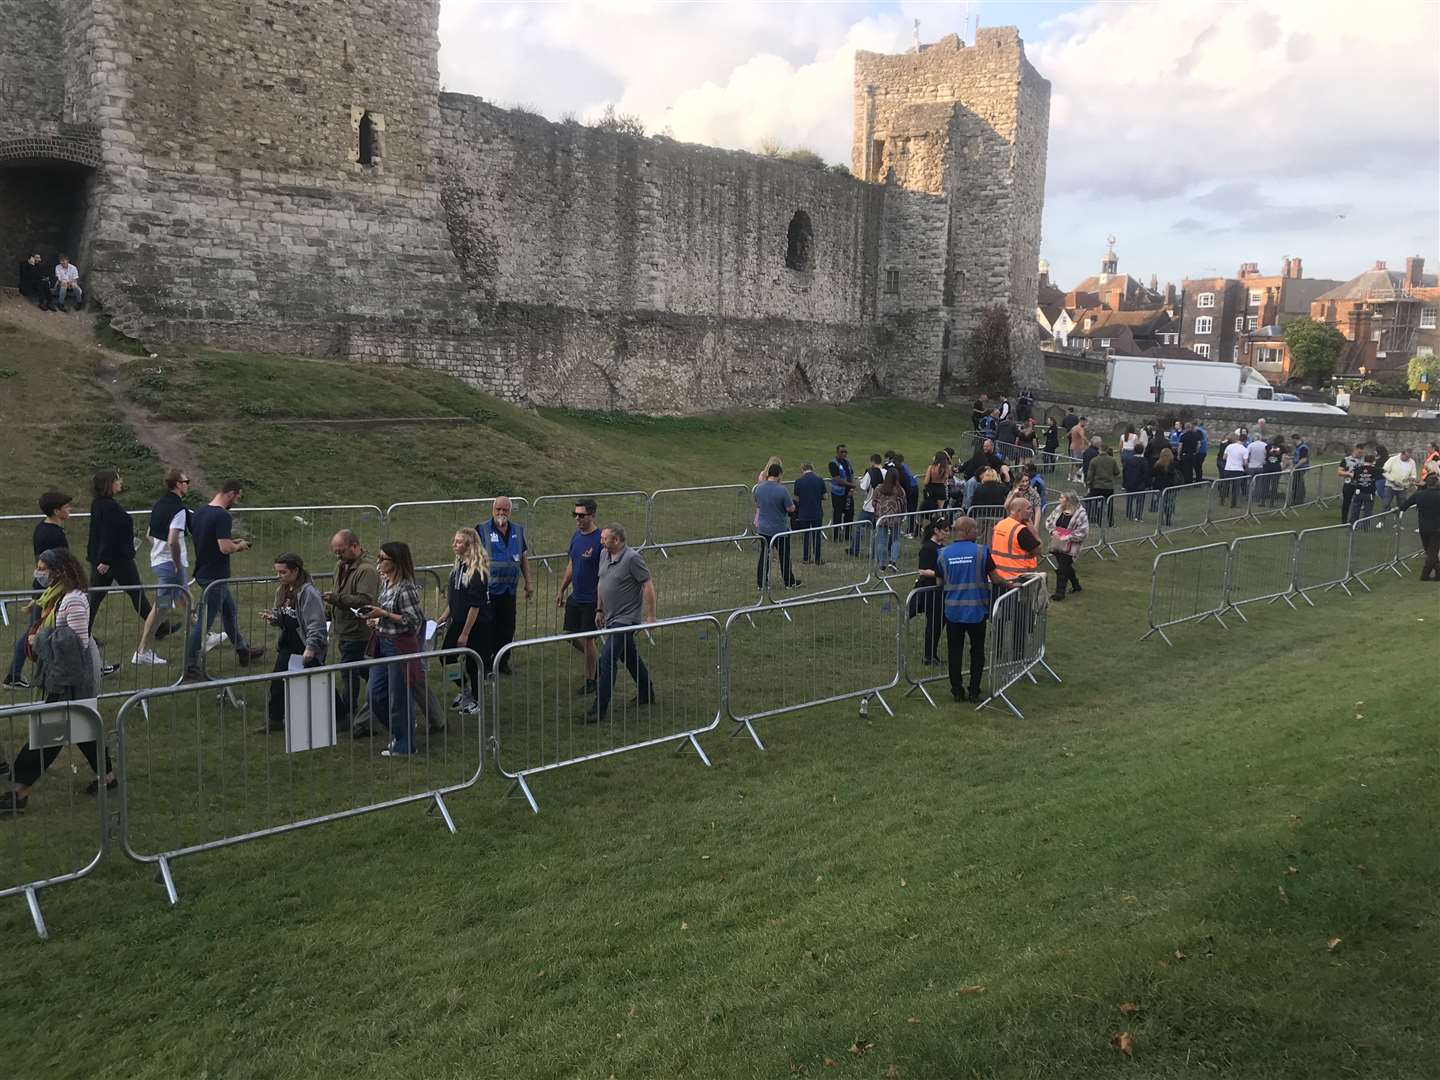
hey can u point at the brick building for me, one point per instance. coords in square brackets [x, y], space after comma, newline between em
[1385, 316]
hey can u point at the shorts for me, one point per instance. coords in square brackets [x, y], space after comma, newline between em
[169, 584]
[579, 617]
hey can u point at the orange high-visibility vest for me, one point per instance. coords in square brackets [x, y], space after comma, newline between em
[1011, 560]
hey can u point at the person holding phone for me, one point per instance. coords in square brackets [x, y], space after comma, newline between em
[396, 621]
[299, 615]
[466, 617]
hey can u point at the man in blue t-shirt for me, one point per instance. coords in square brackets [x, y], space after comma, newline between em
[210, 528]
[509, 563]
[966, 570]
[810, 509]
[772, 523]
[582, 576]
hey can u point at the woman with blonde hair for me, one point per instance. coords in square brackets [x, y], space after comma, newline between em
[466, 617]
[1068, 526]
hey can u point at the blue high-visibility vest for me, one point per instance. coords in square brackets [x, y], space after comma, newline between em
[847, 471]
[967, 596]
[504, 556]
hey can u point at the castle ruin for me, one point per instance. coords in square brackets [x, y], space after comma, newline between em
[288, 177]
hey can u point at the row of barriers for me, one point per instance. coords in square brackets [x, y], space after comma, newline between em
[209, 764]
[1212, 581]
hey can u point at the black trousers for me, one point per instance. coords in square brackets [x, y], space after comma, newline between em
[478, 642]
[1347, 492]
[275, 707]
[502, 629]
[811, 540]
[1430, 540]
[930, 601]
[120, 573]
[1065, 573]
[30, 763]
[350, 694]
[956, 634]
[762, 566]
[843, 512]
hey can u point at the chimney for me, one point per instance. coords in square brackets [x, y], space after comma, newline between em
[1295, 267]
[1360, 317]
[1414, 272]
[1285, 267]
[1379, 264]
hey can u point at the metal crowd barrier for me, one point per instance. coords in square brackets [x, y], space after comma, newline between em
[1229, 500]
[924, 655]
[664, 685]
[711, 577]
[1262, 568]
[1189, 508]
[1126, 517]
[429, 526]
[1374, 546]
[1305, 487]
[209, 764]
[61, 835]
[1322, 560]
[552, 521]
[305, 530]
[1015, 640]
[1187, 585]
[689, 514]
[838, 571]
[769, 655]
[1407, 541]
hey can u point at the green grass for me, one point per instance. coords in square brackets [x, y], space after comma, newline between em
[837, 898]
[1080, 383]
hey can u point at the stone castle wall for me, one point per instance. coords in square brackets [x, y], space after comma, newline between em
[214, 156]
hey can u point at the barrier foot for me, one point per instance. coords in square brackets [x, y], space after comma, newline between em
[32, 900]
[1307, 599]
[521, 786]
[924, 692]
[1157, 630]
[1237, 612]
[1358, 581]
[664, 554]
[881, 699]
[1050, 671]
[1286, 598]
[1395, 570]
[227, 697]
[1003, 699]
[744, 725]
[444, 812]
[699, 750]
[168, 880]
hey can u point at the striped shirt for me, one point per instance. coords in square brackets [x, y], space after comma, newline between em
[74, 612]
[401, 598]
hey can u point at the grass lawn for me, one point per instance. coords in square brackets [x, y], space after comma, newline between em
[1179, 832]
[1080, 383]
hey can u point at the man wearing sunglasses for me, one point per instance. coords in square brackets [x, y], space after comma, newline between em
[582, 576]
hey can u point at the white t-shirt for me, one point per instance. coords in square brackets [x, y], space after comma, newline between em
[160, 549]
[1235, 457]
[67, 273]
[868, 506]
[1257, 455]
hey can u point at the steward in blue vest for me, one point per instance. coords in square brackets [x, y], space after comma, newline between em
[965, 570]
[509, 562]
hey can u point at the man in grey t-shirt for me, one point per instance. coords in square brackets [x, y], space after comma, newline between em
[626, 595]
[774, 506]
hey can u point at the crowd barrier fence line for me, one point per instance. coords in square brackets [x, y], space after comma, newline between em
[137, 710]
[924, 607]
[1374, 546]
[1322, 560]
[756, 616]
[56, 722]
[1189, 509]
[1183, 592]
[1261, 569]
[561, 507]
[562, 699]
[1118, 526]
[846, 574]
[657, 531]
[1015, 641]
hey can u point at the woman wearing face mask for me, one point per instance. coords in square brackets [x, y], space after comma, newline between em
[68, 668]
[466, 617]
[299, 615]
[396, 620]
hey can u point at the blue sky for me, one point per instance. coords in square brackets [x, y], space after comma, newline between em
[1202, 134]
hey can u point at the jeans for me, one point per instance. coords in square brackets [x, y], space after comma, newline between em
[1135, 506]
[617, 649]
[390, 699]
[347, 694]
[969, 492]
[886, 547]
[860, 533]
[218, 600]
[842, 513]
[810, 540]
[956, 634]
[63, 288]
[781, 544]
[1361, 506]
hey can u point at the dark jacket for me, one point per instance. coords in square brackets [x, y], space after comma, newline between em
[1160, 479]
[1136, 472]
[64, 666]
[1427, 503]
[112, 533]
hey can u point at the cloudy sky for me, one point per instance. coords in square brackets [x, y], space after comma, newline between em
[1202, 134]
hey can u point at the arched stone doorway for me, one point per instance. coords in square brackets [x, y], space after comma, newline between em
[46, 192]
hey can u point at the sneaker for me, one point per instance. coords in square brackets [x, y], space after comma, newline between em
[18, 683]
[461, 701]
[250, 652]
[470, 708]
[392, 752]
[12, 803]
[109, 669]
[148, 657]
[458, 700]
[214, 641]
[588, 688]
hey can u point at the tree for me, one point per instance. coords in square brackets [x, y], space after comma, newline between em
[618, 122]
[801, 156]
[1429, 366]
[991, 361]
[1315, 349]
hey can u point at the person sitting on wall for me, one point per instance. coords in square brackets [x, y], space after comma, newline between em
[32, 282]
[67, 280]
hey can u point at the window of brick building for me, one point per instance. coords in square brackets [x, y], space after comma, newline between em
[799, 242]
[1201, 350]
[1424, 350]
[1239, 322]
[1204, 324]
[1256, 296]
[1251, 322]
[1427, 318]
[1205, 299]
[892, 282]
[1104, 343]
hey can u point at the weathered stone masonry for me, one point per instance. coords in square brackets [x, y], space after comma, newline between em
[203, 163]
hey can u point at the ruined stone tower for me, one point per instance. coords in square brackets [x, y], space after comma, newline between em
[285, 176]
[969, 126]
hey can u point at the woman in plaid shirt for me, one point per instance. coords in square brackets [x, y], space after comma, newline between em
[396, 621]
